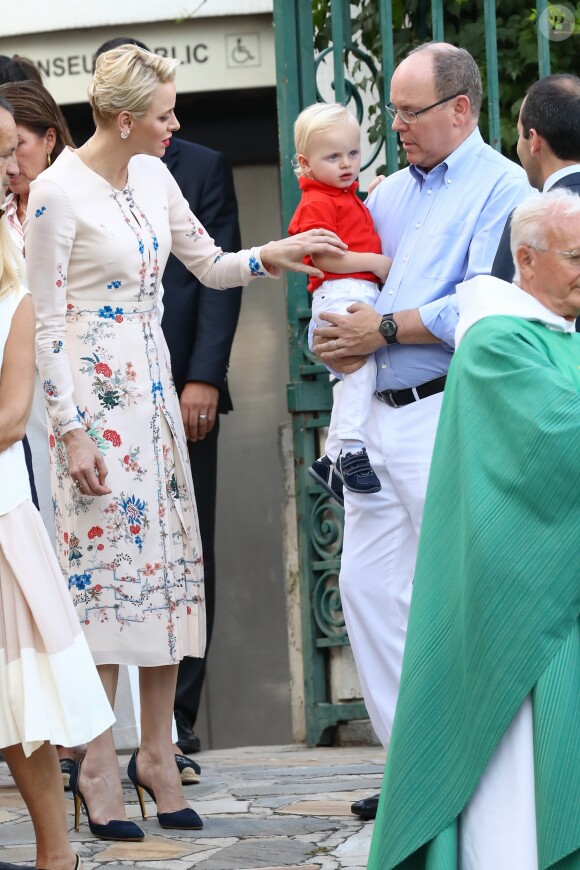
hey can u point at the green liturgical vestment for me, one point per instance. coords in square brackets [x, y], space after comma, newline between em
[496, 601]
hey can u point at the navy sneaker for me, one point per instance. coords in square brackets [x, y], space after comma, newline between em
[357, 472]
[325, 474]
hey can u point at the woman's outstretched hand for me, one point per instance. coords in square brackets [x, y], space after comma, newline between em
[289, 253]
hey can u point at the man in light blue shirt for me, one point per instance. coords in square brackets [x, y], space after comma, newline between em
[441, 220]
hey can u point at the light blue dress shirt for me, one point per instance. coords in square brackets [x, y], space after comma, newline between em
[441, 227]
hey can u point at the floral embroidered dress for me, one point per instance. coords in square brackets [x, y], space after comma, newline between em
[95, 257]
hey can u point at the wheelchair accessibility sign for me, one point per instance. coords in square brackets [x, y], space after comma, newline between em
[243, 49]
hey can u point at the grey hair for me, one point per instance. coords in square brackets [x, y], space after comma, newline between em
[455, 71]
[532, 219]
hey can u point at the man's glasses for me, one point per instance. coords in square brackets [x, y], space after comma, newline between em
[573, 257]
[413, 117]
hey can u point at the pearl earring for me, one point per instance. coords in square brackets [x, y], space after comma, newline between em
[125, 134]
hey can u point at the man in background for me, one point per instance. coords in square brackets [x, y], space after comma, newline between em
[548, 147]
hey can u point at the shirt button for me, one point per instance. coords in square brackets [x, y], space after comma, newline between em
[384, 366]
[449, 180]
[405, 259]
[429, 192]
[417, 226]
[391, 292]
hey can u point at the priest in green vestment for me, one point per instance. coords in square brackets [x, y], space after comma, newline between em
[483, 769]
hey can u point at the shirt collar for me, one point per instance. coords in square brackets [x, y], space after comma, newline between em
[486, 296]
[458, 158]
[560, 173]
[311, 184]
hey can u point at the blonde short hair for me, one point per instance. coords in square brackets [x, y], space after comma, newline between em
[125, 79]
[318, 118]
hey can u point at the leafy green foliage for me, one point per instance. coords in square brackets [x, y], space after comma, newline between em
[464, 25]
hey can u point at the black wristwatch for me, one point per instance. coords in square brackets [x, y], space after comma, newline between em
[388, 329]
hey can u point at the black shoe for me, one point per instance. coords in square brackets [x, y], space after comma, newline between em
[366, 808]
[357, 472]
[184, 820]
[116, 829]
[187, 739]
[324, 473]
[189, 770]
[66, 768]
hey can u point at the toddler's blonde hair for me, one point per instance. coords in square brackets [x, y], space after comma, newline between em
[318, 118]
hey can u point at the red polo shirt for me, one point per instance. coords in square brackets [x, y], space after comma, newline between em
[339, 210]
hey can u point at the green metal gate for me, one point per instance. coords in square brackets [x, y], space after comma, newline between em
[310, 390]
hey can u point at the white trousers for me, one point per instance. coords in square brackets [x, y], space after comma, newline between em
[381, 533]
[351, 408]
[497, 828]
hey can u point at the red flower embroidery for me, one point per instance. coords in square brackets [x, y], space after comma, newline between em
[126, 459]
[98, 587]
[51, 441]
[113, 437]
[100, 547]
[95, 532]
[70, 306]
[134, 529]
[66, 537]
[188, 610]
[103, 369]
[118, 319]
[59, 283]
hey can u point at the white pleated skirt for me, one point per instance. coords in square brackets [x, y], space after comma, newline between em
[49, 687]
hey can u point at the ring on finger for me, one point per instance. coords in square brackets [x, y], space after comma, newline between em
[203, 416]
[77, 483]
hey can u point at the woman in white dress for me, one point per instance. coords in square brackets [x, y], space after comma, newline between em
[42, 134]
[49, 689]
[101, 223]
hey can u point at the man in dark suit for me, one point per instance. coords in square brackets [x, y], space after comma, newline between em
[199, 324]
[548, 148]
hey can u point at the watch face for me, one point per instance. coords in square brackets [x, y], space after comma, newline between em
[388, 327]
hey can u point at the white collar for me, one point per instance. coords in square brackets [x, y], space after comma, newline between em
[485, 296]
[558, 174]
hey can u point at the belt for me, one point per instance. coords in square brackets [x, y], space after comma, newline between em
[398, 398]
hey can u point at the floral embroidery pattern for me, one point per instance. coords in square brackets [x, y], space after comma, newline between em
[40, 211]
[50, 389]
[114, 285]
[255, 268]
[107, 312]
[131, 465]
[113, 388]
[56, 346]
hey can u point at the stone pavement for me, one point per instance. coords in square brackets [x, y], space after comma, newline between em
[273, 808]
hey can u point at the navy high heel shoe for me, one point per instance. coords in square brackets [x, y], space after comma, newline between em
[116, 829]
[186, 819]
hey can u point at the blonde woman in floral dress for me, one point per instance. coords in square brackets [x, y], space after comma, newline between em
[101, 223]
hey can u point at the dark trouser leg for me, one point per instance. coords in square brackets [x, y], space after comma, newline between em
[203, 458]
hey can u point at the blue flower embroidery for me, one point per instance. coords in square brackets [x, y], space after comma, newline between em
[80, 580]
[255, 268]
[40, 211]
[155, 243]
[141, 247]
[114, 285]
[108, 313]
[56, 346]
[157, 387]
